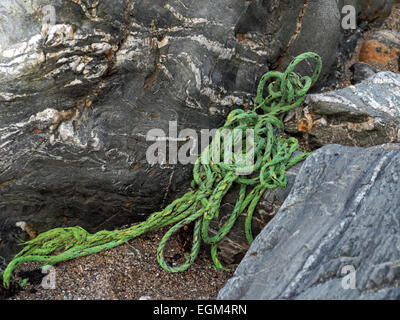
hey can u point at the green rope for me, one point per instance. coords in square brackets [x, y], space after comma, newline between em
[273, 155]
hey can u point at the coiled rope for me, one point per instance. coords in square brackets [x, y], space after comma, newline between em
[272, 156]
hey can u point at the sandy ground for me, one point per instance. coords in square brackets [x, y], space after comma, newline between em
[130, 271]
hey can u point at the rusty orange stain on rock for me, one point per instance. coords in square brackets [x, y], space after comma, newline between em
[109, 55]
[3, 184]
[152, 174]
[303, 126]
[374, 51]
[306, 124]
[128, 204]
[137, 166]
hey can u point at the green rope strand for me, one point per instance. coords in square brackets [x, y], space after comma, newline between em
[211, 182]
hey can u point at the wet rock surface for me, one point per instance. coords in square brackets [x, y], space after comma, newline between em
[362, 115]
[342, 214]
[78, 97]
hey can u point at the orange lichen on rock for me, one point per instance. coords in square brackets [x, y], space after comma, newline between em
[373, 52]
[88, 103]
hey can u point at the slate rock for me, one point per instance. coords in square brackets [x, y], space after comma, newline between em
[361, 71]
[366, 114]
[318, 22]
[78, 97]
[367, 14]
[373, 12]
[341, 216]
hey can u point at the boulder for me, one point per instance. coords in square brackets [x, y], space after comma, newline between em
[382, 50]
[366, 114]
[335, 237]
[374, 12]
[361, 71]
[82, 82]
[368, 14]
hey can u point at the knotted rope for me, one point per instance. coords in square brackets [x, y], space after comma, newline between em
[272, 156]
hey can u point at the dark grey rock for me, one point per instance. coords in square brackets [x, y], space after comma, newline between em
[234, 246]
[362, 115]
[342, 213]
[77, 98]
[361, 71]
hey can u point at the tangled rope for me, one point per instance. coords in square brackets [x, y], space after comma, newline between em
[272, 156]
